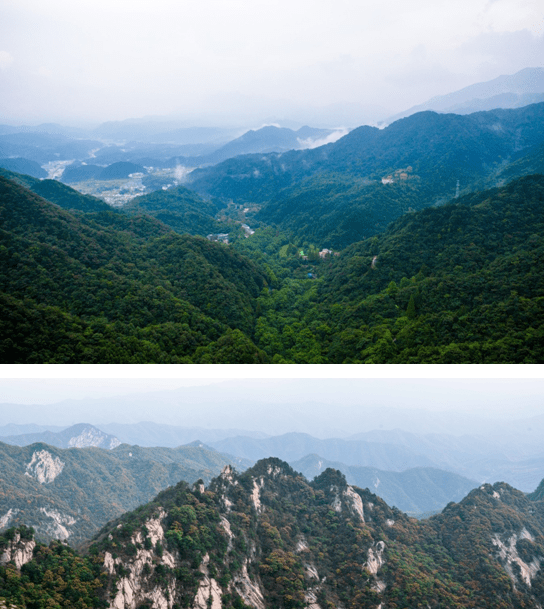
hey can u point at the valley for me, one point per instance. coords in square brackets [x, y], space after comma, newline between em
[212, 214]
[416, 242]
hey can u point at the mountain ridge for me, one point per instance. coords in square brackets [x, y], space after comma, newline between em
[506, 91]
[267, 539]
[80, 435]
[69, 493]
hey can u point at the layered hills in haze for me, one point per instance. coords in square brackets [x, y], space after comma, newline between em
[509, 91]
[351, 189]
[79, 436]
[415, 472]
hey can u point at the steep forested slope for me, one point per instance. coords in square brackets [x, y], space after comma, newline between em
[269, 539]
[58, 193]
[459, 283]
[105, 287]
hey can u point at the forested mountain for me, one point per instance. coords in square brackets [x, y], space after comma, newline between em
[458, 283]
[115, 171]
[58, 193]
[461, 282]
[70, 493]
[450, 280]
[181, 209]
[266, 139]
[269, 539]
[343, 192]
[23, 166]
[105, 287]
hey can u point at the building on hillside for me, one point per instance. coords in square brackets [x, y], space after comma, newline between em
[221, 237]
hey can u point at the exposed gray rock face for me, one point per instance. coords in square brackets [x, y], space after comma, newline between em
[374, 563]
[355, 502]
[91, 436]
[6, 518]
[311, 600]
[57, 528]
[249, 590]
[81, 435]
[19, 551]
[375, 558]
[44, 467]
[208, 595]
[136, 587]
[509, 557]
[256, 495]
[351, 500]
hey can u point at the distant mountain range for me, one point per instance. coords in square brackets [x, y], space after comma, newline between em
[25, 151]
[78, 436]
[509, 91]
[294, 446]
[416, 472]
[416, 491]
[58, 481]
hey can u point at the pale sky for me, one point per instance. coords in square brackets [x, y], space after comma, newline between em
[438, 386]
[208, 60]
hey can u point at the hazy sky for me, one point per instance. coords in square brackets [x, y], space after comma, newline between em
[438, 387]
[64, 60]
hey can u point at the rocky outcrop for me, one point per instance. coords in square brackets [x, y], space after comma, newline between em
[91, 436]
[355, 503]
[6, 518]
[352, 500]
[44, 467]
[58, 527]
[18, 550]
[249, 590]
[208, 595]
[256, 496]
[135, 586]
[375, 558]
[508, 555]
[311, 600]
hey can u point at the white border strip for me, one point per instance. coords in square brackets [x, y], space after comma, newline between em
[231, 371]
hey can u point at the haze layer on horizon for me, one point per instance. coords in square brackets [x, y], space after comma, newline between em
[230, 62]
[272, 405]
